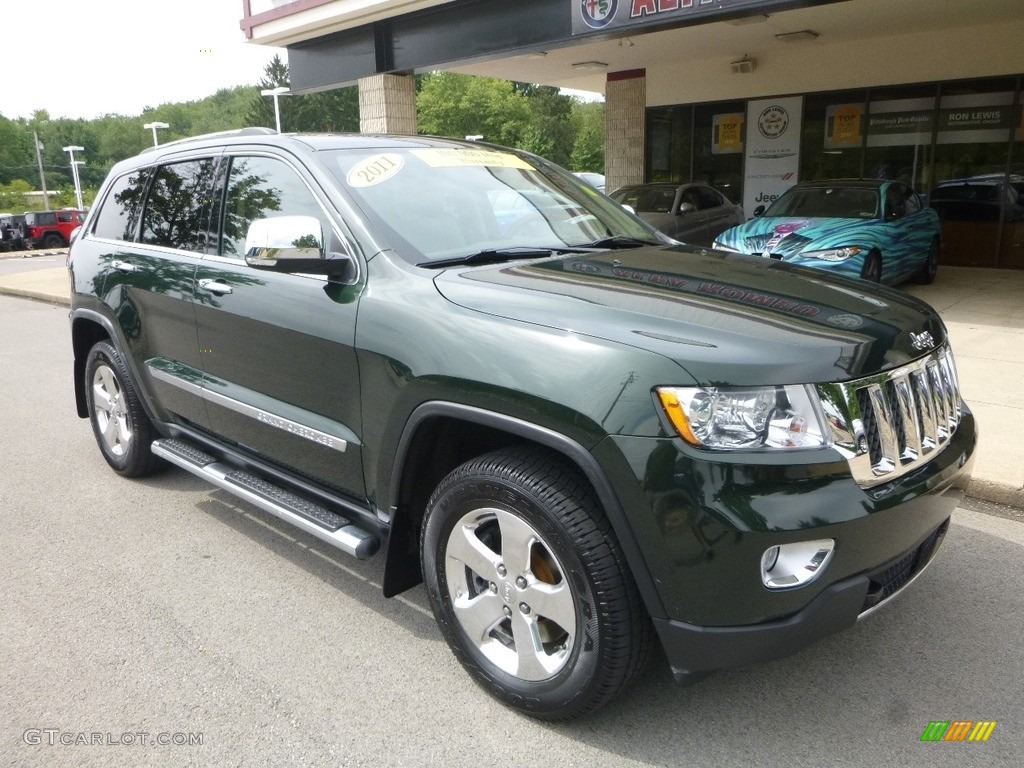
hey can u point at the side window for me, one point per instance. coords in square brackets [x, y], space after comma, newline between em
[690, 196]
[709, 198]
[177, 208]
[118, 218]
[262, 188]
[65, 217]
[913, 202]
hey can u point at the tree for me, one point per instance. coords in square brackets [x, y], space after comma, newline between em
[588, 146]
[456, 105]
[335, 110]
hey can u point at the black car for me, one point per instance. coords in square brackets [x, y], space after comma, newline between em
[988, 198]
[12, 229]
[582, 436]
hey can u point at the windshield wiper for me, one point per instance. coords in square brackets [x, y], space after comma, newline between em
[490, 256]
[616, 242]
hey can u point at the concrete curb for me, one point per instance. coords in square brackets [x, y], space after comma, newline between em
[26, 293]
[996, 492]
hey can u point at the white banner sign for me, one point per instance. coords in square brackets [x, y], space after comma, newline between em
[772, 162]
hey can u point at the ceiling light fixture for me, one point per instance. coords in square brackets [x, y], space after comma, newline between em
[743, 21]
[801, 36]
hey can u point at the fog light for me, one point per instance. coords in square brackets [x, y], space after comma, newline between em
[793, 565]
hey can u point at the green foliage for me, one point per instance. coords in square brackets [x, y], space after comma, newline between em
[330, 111]
[533, 117]
[537, 118]
[451, 104]
[12, 196]
[588, 145]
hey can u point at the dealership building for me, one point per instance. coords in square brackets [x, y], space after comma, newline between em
[748, 95]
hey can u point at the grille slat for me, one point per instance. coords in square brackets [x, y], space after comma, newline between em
[894, 422]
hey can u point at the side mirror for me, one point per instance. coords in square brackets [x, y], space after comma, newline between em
[759, 211]
[74, 235]
[293, 244]
[686, 208]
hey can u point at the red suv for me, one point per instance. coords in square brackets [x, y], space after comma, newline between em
[51, 229]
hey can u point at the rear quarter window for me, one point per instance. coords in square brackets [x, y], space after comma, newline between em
[118, 217]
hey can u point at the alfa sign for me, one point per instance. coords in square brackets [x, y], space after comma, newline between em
[601, 15]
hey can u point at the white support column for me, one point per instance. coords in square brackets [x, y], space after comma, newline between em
[387, 104]
[625, 127]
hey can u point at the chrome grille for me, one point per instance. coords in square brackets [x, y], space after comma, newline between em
[887, 425]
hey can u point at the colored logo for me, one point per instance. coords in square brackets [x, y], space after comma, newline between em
[773, 121]
[597, 13]
[780, 232]
[958, 730]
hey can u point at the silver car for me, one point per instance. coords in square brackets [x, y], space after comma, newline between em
[692, 213]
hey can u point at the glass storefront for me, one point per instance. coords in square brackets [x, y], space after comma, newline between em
[960, 145]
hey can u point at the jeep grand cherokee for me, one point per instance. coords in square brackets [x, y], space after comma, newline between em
[580, 435]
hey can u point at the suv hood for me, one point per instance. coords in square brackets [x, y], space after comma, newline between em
[724, 318]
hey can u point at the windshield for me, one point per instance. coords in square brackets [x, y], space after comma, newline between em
[441, 203]
[827, 202]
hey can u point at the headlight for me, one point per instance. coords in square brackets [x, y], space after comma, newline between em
[756, 417]
[834, 254]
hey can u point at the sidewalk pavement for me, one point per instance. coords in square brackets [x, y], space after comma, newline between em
[982, 308]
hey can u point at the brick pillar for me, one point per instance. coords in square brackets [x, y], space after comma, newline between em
[625, 107]
[387, 104]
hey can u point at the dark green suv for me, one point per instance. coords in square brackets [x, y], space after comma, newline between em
[579, 434]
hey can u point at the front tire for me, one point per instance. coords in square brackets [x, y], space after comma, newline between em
[122, 429]
[529, 585]
[872, 271]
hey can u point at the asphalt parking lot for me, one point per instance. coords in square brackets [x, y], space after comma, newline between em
[139, 609]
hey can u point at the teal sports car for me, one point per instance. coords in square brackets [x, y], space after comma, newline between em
[875, 230]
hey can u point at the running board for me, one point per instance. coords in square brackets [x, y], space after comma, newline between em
[312, 518]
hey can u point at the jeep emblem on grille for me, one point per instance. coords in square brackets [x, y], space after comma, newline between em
[921, 341]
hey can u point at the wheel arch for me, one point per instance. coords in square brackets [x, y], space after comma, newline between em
[424, 457]
[87, 328]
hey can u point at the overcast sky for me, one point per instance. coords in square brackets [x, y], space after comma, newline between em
[86, 58]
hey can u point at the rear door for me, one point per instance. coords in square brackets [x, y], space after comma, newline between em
[152, 230]
[719, 213]
[277, 352]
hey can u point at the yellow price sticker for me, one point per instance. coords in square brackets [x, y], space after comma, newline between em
[466, 158]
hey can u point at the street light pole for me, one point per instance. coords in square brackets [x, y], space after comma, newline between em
[154, 126]
[275, 92]
[74, 173]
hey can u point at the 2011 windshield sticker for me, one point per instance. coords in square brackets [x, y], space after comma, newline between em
[374, 170]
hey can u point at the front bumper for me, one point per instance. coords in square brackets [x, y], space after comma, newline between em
[703, 522]
[695, 651]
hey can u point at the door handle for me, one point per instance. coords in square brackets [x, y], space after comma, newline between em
[215, 286]
[124, 267]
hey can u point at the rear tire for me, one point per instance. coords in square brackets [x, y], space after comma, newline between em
[926, 276]
[529, 585]
[122, 429]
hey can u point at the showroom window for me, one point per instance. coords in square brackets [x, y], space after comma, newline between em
[832, 142]
[718, 143]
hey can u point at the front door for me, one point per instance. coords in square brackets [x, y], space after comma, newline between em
[277, 351]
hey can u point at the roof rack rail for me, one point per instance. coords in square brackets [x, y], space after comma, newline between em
[251, 131]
